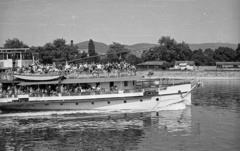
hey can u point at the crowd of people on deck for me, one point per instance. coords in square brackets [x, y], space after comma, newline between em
[53, 90]
[67, 69]
[38, 68]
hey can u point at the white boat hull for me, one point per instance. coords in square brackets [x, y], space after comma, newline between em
[169, 99]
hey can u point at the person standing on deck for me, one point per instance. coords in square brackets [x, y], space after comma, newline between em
[61, 89]
[48, 90]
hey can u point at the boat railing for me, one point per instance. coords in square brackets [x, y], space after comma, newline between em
[55, 94]
[74, 74]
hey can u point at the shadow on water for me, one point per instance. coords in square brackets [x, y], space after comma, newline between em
[104, 131]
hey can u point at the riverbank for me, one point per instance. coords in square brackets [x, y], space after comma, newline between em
[212, 75]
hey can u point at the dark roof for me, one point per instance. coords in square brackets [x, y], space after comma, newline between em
[227, 63]
[152, 63]
[192, 63]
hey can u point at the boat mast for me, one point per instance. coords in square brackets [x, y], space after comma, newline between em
[59, 82]
[13, 68]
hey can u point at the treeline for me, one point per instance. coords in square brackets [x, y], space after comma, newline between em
[168, 50]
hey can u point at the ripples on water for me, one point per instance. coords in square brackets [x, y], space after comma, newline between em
[212, 123]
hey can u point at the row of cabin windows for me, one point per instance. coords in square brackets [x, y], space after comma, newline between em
[25, 56]
[125, 83]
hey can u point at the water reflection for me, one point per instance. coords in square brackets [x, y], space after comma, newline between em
[105, 131]
[212, 123]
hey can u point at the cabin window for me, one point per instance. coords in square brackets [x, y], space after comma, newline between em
[125, 83]
[133, 82]
[1, 56]
[111, 84]
[5, 56]
[9, 56]
[17, 56]
[26, 56]
[97, 84]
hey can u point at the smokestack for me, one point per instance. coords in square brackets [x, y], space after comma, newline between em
[71, 42]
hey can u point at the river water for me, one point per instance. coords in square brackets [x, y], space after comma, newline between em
[211, 123]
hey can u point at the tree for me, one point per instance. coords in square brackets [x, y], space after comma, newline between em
[199, 57]
[209, 52]
[59, 42]
[92, 52]
[183, 52]
[167, 41]
[168, 50]
[238, 53]
[14, 43]
[56, 51]
[117, 52]
[91, 48]
[225, 54]
[132, 59]
[159, 53]
[210, 61]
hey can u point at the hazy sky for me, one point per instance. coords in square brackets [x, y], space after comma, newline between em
[37, 22]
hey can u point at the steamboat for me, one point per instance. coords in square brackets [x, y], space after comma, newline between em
[122, 91]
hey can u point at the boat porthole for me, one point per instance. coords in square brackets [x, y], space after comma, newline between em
[92, 103]
[76, 103]
[141, 100]
[157, 99]
[125, 101]
[108, 102]
[61, 103]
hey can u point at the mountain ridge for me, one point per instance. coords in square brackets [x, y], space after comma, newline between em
[101, 47]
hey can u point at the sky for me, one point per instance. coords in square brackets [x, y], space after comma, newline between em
[37, 22]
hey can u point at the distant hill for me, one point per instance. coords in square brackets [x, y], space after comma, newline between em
[103, 48]
[140, 46]
[213, 46]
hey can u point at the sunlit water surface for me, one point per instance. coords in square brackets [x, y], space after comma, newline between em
[211, 123]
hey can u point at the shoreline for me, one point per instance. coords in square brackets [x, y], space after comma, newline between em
[205, 75]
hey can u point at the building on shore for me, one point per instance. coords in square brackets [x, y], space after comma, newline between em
[228, 65]
[183, 65]
[151, 65]
[190, 63]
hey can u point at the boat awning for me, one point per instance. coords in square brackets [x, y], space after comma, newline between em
[39, 83]
[37, 77]
[96, 80]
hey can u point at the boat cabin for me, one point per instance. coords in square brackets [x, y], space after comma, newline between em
[16, 57]
[88, 86]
